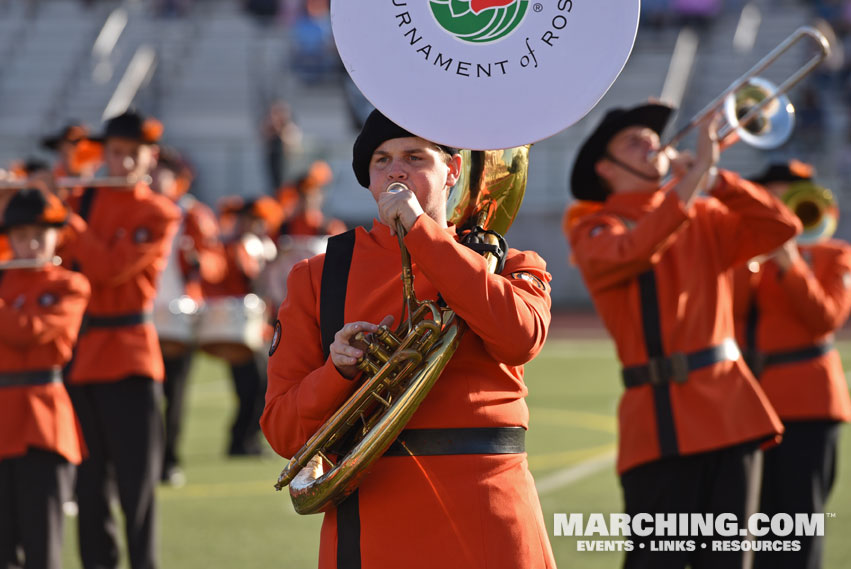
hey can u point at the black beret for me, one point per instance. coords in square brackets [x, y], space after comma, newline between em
[585, 184]
[376, 131]
[31, 207]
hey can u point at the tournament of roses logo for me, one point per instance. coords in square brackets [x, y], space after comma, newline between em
[479, 21]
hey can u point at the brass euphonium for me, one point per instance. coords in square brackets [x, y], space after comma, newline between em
[400, 367]
[815, 207]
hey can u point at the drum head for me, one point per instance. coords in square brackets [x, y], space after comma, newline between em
[484, 74]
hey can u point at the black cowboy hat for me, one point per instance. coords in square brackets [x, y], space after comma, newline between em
[585, 184]
[132, 125]
[72, 132]
[792, 171]
[377, 130]
[31, 206]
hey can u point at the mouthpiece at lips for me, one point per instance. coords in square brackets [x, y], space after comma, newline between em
[396, 187]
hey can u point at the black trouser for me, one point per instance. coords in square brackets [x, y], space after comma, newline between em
[717, 482]
[122, 424]
[249, 380]
[32, 490]
[174, 390]
[799, 474]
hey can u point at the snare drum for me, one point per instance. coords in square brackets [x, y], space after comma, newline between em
[232, 325]
[176, 320]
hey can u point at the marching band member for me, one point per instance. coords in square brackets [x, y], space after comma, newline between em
[247, 249]
[793, 303]
[197, 256]
[40, 314]
[463, 504]
[121, 240]
[306, 198]
[656, 261]
[64, 144]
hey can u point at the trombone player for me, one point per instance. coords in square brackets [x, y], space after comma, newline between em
[788, 308]
[454, 491]
[656, 258]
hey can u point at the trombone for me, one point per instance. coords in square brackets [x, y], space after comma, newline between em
[756, 110]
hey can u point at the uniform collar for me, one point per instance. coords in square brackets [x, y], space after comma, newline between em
[635, 202]
[381, 233]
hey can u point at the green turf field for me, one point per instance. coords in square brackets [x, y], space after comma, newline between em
[229, 516]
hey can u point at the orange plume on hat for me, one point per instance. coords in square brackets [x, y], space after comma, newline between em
[152, 130]
[54, 211]
[88, 154]
[801, 169]
[268, 210]
[319, 174]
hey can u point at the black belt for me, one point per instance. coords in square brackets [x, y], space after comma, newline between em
[29, 378]
[759, 361]
[116, 321]
[676, 367]
[432, 442]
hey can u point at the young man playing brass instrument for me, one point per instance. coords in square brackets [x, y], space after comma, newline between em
[657, 262]
[454, 490]
[788, 306]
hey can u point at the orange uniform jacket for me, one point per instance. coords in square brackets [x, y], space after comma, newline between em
[796, 309]
[235, 281]
[121, 250]
[199, 247]
[5, 248]
[40, 314]
[691, 253]
[312, 223]
[426, 511]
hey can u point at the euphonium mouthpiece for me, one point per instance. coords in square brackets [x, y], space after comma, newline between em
[396, 187]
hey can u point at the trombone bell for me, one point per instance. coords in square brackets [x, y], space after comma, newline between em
[772, 125]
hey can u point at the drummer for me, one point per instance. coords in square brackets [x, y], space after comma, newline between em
[304, 199]
[246, 228]
[196, 255]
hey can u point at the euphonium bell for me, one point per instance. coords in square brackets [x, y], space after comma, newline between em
[400, 367]
[815, 207]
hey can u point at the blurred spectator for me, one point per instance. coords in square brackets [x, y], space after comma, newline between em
[314, 51]
[264, 10]
[655, 12]
[810, 114]
[281, 139]
[171, 8]
[696, 13]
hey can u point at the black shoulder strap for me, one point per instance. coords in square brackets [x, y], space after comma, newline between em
[652, 326]
[335, 279]
[86, 203]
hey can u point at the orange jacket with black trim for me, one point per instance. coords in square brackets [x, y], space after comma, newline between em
[121, 248]
[495, 518]
[240, 269]
[201, 254]
[40, 314]
[783, 312]
[689, 253]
